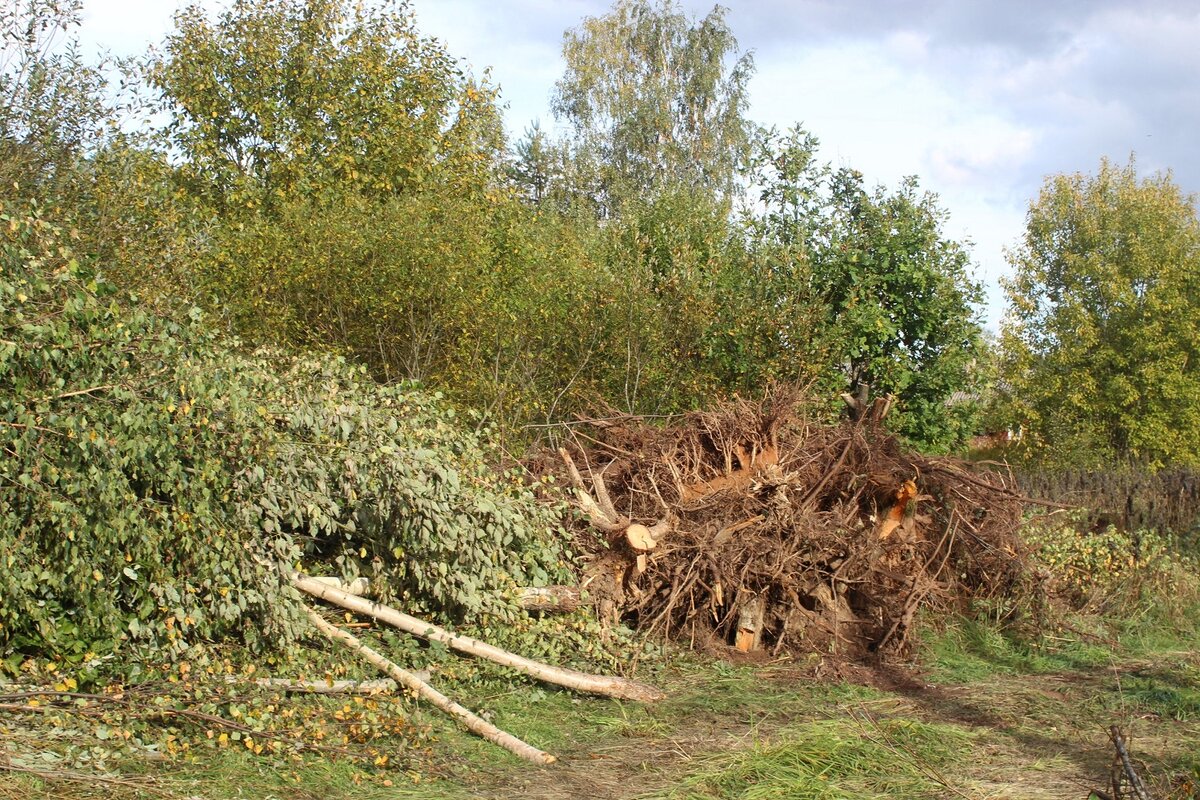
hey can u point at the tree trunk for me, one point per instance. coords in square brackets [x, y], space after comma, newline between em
[476, 725]
[571, 679]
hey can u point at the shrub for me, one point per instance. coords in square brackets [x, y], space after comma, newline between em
[157, 482]
[1113, 570]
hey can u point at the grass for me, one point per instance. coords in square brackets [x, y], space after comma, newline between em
[1002, 719]
[987, 714]
[851, 757]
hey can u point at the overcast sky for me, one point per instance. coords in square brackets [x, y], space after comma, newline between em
[981, 99]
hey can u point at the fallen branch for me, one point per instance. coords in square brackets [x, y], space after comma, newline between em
[571, 679]
[358, 586]
[549, 598]
[560, 599]
[469, 720]
[1135, 781]
[322, 686]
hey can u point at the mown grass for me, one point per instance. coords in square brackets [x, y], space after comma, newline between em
[851, 757]
[989, 713]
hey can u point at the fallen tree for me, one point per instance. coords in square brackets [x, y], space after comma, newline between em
[578, 681]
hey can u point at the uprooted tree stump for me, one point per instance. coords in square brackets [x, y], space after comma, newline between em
[758, 528]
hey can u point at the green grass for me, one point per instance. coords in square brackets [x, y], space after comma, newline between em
[852, 757]
[968, 650]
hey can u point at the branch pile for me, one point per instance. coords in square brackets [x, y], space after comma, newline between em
[753, 526]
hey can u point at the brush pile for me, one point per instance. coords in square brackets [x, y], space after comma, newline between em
[752, 526]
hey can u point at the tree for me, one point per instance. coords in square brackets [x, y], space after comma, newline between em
[51, 108]
[284, 96]
[893, 294]
[1101, 355]
[901, 299]
[652, 98]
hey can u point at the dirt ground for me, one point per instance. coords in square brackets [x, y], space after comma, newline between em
[1028, 734]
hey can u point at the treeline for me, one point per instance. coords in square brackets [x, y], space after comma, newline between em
[328, 178]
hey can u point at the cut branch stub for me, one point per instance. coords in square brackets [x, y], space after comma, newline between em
[601, 512]
[640, 538]
[895, 514]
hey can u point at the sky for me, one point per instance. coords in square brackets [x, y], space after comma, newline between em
[980, 99]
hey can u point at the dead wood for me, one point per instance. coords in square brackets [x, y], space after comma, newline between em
[579, 681]
[549, 599]
[829, 537]
[466, 718]
[1123, 773]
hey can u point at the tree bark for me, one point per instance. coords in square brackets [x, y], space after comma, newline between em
[571, 679]
[321, 686]
[549, 598]
[470, 721]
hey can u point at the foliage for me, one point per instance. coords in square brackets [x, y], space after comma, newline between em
[1101, 356]
[653, 98]
[279, 97]
[1109, 569]
[894, 297]
[51, 107]
[168, 479]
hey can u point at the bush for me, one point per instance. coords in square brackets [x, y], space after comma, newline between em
[1110, 570]
[157, 482]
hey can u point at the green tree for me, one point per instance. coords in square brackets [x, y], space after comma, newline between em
[52, 111]
[653, 98]
[893, 293]
[284, 96]
[1101, 357]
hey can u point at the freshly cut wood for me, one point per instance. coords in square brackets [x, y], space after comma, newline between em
[469, 720]
[749, 630]
[549, 598]
[358, 586]
[599, 510]
[321, 686]
[603, 514]
[571, 679]
[640, 538]
[895, 514]
[734, 479]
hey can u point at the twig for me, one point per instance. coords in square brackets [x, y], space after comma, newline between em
[80, 392]
[1135, 780]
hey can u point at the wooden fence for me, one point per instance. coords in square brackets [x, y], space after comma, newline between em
[1130, 498]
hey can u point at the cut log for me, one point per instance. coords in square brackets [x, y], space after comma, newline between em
[571, 679]
[549, 598]
[322, 687]
[750, 624]
[640, 538]
[469, 720]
